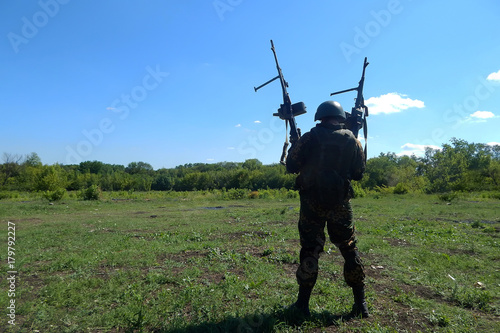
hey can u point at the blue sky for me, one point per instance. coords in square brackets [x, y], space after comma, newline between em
[171, 82]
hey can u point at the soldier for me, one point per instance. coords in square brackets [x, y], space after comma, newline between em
[327, 158]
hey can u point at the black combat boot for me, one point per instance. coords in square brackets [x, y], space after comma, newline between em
[302, 303]
[359, 308]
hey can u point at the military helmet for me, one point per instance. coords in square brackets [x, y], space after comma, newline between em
[329, 109]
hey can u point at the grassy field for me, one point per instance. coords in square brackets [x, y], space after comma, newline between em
[196, 263]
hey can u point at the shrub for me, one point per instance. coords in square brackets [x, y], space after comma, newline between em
[384, 189]
[237, 193]
[492, 195]
[253, 195]
[91, 193]
[401, 188]
[495, 195]
[358, 191]
[55, 195]
[448, 197]
[266, 194]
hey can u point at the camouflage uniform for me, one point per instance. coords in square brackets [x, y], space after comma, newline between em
[345, 156]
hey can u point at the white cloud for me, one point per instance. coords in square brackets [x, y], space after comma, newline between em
[494, 76]
[231, 148]
[482, 114]
[257, 121]
[239, 125]
[392, 103]
[493, 143]
[478, 117]
[410, 149]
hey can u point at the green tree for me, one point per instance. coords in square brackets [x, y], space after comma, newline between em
[407, 174]
[493, 173]
[459, 166]
[9, 170]
[252, 164]
[27, 179]
[51, 178]
[141, 182]
[162, 182]
[380, 171]
[94, 167]
[139, 168]
[32, 160]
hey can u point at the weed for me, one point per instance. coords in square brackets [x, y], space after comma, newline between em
[268, 251]
[470, 297]
[282, 256]
[476, 224]
[438, 319]
[448, 197]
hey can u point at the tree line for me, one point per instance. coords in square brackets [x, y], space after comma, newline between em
[457, 166]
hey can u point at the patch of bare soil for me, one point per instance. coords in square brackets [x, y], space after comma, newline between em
[185, 255]
[24, 223]
[397, 242]
[31, 220]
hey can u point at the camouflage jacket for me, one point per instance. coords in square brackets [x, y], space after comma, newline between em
[329, 147]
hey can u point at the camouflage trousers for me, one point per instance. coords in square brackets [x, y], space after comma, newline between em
[340, 227]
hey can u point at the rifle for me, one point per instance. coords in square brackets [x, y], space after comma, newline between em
[357, 118]
[287, 110]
